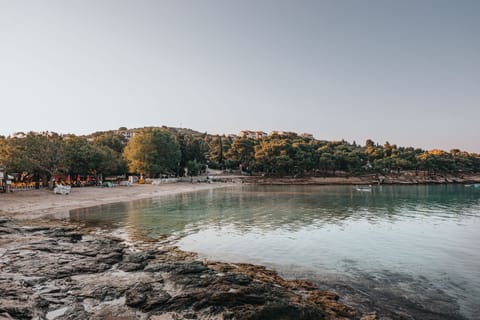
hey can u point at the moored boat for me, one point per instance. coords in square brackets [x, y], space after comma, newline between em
[364, 188]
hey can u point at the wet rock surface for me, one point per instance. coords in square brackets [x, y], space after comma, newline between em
[398, 296]
[58, 272]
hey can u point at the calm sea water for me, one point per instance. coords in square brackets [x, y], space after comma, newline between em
[415, 247]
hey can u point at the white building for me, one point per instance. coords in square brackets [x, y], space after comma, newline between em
[252, 134]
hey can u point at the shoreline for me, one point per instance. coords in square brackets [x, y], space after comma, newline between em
[403, 178]
[43, 203]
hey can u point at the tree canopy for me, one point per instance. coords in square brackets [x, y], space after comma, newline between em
[153, 152]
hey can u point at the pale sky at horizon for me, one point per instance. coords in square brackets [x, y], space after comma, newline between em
[407, 72]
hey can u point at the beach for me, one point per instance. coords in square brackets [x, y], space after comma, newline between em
[43, 203]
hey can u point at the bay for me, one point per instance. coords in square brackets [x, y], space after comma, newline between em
[407, 248]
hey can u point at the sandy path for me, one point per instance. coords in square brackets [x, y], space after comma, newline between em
[44, 203]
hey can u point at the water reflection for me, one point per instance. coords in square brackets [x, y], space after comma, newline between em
[278, 207]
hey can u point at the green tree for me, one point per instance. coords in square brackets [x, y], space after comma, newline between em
[241, 152]
[38, 153]
[194, 167]
[475, 161]
[192, 148]
[112, 162]
[373, 151]
[216, 151]
[304, 156]
[3, 152]
[326, 163]
[436, 161]
[114, 141]
[83, 157]
[153, 152]
[112, 146]
[273, 156]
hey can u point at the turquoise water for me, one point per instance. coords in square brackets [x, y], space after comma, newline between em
[407, 243]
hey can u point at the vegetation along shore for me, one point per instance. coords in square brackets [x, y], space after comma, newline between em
[35, 159]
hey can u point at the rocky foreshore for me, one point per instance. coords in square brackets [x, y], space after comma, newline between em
[403, 178]
[58, 271]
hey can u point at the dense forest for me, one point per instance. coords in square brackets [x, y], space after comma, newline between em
[154, 152]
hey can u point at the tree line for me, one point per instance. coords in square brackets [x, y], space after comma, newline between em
[154, 152]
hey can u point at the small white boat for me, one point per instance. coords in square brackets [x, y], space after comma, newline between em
[475, 185]
[364, 188]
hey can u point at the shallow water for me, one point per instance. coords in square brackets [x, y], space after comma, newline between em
[416, 243]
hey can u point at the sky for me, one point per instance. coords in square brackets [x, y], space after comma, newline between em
[406, 72]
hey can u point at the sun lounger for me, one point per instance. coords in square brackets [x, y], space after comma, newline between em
[62, 189]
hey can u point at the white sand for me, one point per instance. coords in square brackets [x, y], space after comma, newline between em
[44, 203]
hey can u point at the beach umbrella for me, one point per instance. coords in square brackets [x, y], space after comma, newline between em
[68, 178]
[78, 177]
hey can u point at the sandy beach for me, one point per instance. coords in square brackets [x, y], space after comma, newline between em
[43, 203]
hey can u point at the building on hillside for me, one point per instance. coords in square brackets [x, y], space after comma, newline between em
[67, 136]
[22, 135]
[127, 133]
[307, 135]
[252, 134]
[19, 135]
[246, 134]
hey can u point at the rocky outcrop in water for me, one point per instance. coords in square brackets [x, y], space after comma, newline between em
[58, 272]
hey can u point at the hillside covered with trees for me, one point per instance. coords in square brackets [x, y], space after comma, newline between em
[154, 152]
